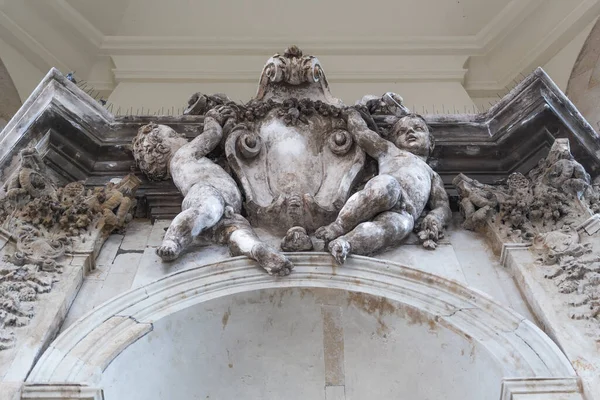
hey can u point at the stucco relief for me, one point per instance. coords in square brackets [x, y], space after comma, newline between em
[552, 209]
[292, 161]
[45, 222]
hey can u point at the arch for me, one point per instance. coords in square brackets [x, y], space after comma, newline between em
[82, 352]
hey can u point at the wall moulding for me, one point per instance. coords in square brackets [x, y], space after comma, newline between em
[85, 349]
[173, 75]
[60, 391]
[511, 136]
[356, 46]
[534, 389]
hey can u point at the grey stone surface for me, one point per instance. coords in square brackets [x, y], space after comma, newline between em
[109, 249]
[136, 236]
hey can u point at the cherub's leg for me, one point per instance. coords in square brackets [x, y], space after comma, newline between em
[236, 231]
[202, 208]
[386, 229]
[380, 194]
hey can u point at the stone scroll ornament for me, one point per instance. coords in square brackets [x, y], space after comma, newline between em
[553, 208]
[291, 161]
[46, 222]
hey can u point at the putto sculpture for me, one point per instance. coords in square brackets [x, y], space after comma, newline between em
[296, 155]
[212, 198]
[396, 197]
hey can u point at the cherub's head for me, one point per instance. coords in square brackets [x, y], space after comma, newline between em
[411, 133]
[153, 148]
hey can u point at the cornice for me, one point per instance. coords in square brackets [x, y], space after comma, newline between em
[407, 75]
[359, 45]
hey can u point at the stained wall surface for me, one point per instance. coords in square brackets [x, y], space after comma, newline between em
[301, 344]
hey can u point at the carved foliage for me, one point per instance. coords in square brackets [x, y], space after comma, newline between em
[553, 210]
[45, 222]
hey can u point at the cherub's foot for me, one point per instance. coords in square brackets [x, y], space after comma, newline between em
[271, 260]
[339, 249]
[169, 250]
[329, 232]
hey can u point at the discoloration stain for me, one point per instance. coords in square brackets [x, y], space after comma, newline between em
[582, 365]
[333, 345]
[432, 325]
[379, 307]
[230, 365]
[225, 318]
[372, 305]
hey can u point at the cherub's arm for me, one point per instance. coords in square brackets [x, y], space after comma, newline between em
[438, 200]
[369, 141]
[438, 217]
[212, 134]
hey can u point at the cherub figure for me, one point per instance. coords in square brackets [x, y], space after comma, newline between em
[385, 211]
[212, 199]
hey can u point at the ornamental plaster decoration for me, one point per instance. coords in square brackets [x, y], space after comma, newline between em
[552, 209]
[46, 222]
[19, 289]
[298, 155]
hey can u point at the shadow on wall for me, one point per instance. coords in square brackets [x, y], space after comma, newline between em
[10, 101]
[583, 88]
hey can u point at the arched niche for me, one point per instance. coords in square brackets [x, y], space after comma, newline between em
[368, 327]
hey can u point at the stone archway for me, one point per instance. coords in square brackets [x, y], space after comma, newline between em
[524, 359]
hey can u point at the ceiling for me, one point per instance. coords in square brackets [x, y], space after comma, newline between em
[481, 44]
[336, 18]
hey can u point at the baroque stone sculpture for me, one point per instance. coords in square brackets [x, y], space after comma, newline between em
[46, 222]
[553, 210]
[396, 197]
[298, 154]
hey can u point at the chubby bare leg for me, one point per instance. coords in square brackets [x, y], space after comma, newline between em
[236, 231]
[368, 237]
[380, 194]
[202, 208]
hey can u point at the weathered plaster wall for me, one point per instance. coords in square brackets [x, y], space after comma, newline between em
[129, 261]
[300, 343]
[347, 345]
[424, 97]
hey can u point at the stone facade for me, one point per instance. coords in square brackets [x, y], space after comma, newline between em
[139, 240]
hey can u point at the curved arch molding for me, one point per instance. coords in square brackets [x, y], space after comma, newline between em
[523, 352]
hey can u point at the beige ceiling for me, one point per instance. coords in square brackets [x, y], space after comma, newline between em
[311, 18]
[480, 44]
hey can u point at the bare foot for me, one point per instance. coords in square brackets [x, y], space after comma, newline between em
[329, 232]
[169, 250]
[271, 260]
[339, 249]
